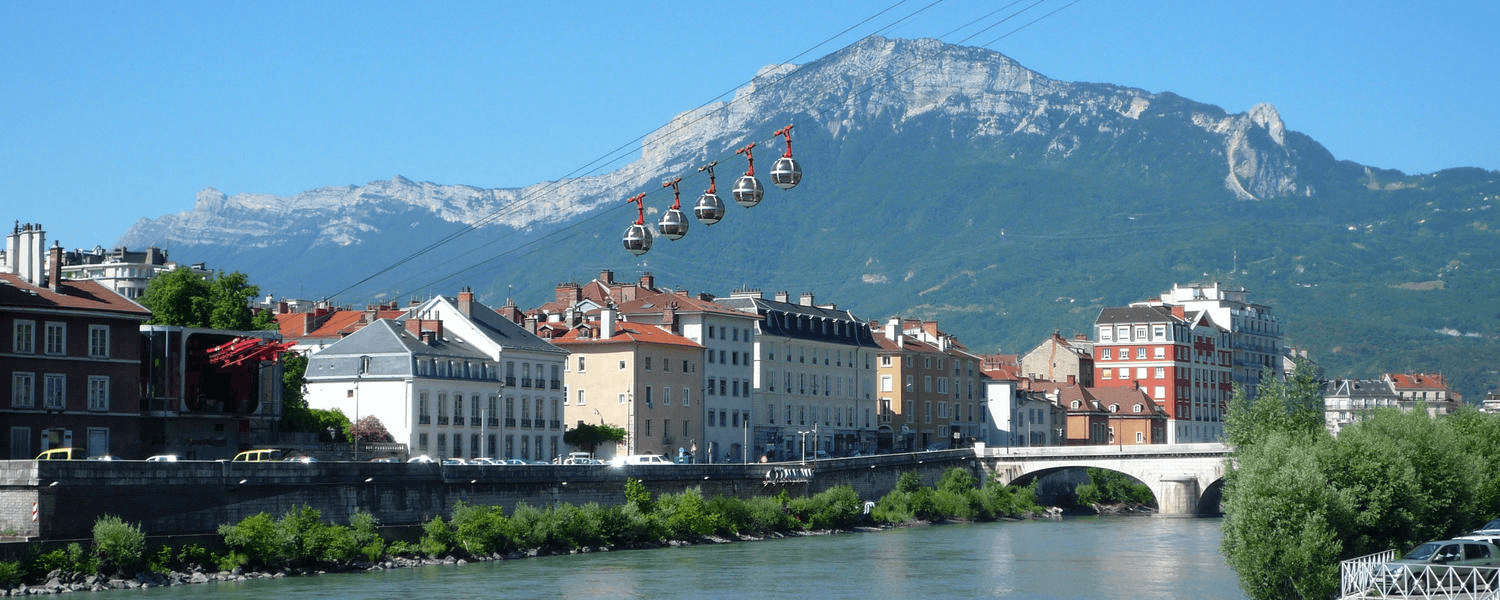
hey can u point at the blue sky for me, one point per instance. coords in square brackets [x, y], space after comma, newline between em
[114, 111]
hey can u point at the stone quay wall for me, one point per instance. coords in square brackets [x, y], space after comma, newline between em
[194, 497]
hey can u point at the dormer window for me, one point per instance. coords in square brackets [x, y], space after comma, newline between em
[1114, 408]
[1139, 408]
[1076, 404]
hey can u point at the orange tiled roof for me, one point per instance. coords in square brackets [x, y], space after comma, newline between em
[1417, 381]
[627, 332]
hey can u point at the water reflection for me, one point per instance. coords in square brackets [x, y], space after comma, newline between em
[1125, 558]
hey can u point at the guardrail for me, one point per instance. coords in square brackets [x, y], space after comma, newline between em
[1376, 576]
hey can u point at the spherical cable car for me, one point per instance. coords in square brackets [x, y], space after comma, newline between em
[673, 224]
[709, 209]
[747, 189]
[785, 172]
[638, 236]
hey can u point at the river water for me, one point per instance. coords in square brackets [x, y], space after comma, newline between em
[1090, 557]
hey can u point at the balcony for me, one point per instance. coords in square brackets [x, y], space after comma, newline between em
[424, 419]
[556, 384]
[442, 420]
[510, 381]
[510, 422]
[525, 423]
[494, 421]
[554, 424]
[458, 420]
[525, 382]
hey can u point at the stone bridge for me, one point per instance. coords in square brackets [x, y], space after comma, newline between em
[1185, 478]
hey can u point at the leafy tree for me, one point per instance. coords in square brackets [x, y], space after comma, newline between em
[1110, 487]
[369, 429]
[589, 437]
[182, 297]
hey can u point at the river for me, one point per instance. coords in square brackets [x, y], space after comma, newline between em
[1089, 557]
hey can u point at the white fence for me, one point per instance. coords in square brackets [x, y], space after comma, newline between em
[1375, 576]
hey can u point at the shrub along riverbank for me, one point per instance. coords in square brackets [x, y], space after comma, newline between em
[300, 542]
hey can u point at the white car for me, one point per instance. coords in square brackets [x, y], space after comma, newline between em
[639, 459]
[163, 458]
[421, 459]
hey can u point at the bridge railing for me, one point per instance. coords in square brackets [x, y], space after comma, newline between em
[1377, 576]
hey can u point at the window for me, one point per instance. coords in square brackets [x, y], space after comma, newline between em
[1158, 332]
[54, 393]
[686, 396]
[423, 416]
[1160, 352]
[581, 401]
[580, 364]
[1159, 392]
[57, 336]
[648, 427]
[909, 386]
[1140, 372]
[1140, 333]
[885, 361]
[99, 341]
[666, 396]
[1106, 333]
[1140, 353]
[98, 392]
[926, 383]
[648, 396]
[1140, 437]
[647, 361]
[1105, 354]
[1106, 373]
[622, 365]
[22, 390]
[1161, 372]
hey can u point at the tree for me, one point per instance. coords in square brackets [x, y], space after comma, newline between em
[369, 429]
[589, 437]
[183, 298]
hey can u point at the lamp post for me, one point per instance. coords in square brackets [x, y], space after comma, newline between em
[364, 365]
[804, 443]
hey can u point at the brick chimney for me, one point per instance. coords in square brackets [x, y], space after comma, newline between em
[54, 266]
[569, 293]
[669, 317]
[466, 301]
[607, 277]
[430, 331]
[1178, 311]
[648, 281]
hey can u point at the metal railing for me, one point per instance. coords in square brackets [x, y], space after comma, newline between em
[1376, 576]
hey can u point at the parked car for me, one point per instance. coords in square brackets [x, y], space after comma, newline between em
[1442, 564]
[162, 458]
[300, 459]
[454, 461]
[640, 459]
[62, 454]
[421, 459]
[384, 459]
[260, 455]
[105, 457]
[483, 460]
[580, 458]
[1490, 528]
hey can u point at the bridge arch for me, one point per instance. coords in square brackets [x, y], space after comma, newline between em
[1186, 479]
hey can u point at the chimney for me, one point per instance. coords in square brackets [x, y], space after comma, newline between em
[430, 331]
[24, 252]
[569, 293]
[607, 321]
[806, 299]
[307, 323]
[607, 277]
[782, 296]
[669, 317]
[648, 281]
[1179, 312]
[54, 266]
[1072, 380]
[893, 329]
[930, 327]
[466, 301]
[531, 323]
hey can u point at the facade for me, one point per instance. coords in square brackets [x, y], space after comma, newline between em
[200, 404]
[1177, 357]
[450, 378]
[124, 271]
[1346, 401]
[1018, 416]
[930, 390]
[1134, 418]
[814, 378]
[728, 374]
[637, 376]
[1429, 389]
[70, 357]
[1254, 341]
[1057, 359]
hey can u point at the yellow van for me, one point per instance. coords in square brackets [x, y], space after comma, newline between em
[263, 455]
[62, 454]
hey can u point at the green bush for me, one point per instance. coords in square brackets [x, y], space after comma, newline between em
[957, 480]
[685, 516]
[481, 530]
[71, 559]
[637, 494]
[1008, 500]
[257, 540]
[438, 538]
[120, 546]
[369, 545]
[10, 574]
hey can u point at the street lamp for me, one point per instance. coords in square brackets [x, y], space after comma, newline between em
[364, 365]
[804, 443]
[601, 417]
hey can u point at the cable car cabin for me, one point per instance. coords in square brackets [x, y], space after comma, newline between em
[786, 173]
[709, 209]
[637, 239]
[748, 191]
[673, 224]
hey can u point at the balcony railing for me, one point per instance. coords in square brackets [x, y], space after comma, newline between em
[525, 382]
[555, 424]
[494, 421]
[424, 419]
[556, 384]
[526, 423]
[510, 422]
[510, 380]
[442, 420]
[1376, 575]
[458, 420]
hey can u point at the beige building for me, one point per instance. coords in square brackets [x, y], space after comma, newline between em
[636, 376]
[1058, 358]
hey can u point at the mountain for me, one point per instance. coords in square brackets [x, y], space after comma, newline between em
[941, 182]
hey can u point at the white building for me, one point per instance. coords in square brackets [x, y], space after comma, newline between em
[814, 375]
[728, 373]
[450, 378]
[1255, 342]
[1021, 418]
[124, 271]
